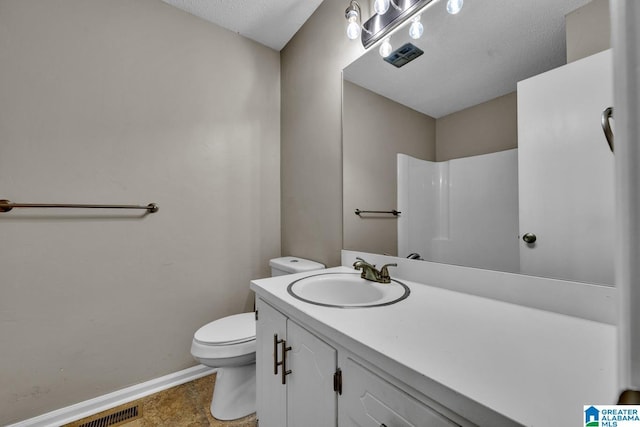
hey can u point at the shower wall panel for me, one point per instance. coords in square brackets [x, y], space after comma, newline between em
[462, 211]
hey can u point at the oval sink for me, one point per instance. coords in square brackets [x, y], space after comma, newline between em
[347, 290]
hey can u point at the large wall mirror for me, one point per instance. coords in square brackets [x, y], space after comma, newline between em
[489, 143]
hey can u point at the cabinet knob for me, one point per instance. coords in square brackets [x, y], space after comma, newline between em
[529, 238]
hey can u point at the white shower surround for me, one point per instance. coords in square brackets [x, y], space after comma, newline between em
[462, 211]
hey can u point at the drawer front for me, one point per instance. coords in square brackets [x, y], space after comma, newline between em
[371, 401]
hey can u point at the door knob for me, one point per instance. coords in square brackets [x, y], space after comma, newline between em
[529, 238]
[606, 117]
[629, 397]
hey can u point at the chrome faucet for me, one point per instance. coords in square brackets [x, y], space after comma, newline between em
[369, 272]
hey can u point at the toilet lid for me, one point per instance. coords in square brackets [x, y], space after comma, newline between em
[234, 329]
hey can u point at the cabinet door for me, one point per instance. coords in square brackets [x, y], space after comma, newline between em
[271, 394]
[565, 172]
[311, 400]
[370, 401]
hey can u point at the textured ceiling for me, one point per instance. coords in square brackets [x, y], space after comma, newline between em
[269, 22]
[472, 57]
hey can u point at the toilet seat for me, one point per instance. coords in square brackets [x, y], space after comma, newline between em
[234, 329]
[225, 339]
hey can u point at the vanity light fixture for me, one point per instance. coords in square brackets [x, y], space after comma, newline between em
[387, 19]
[454, 6]
[378, 27]
[385, 47]
[416, 29]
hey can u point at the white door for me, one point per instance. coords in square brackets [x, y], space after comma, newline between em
[626, 42]
[271, 394]
[565, 172]
[311, 400]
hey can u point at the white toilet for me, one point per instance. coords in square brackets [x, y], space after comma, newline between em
[229, 344]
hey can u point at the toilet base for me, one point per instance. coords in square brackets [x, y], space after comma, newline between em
[234, 392]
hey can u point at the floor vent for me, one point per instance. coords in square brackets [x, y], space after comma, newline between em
[113, 418]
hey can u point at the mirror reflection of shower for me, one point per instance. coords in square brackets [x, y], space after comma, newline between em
[472, 105]
[545, 208]
[461, 211]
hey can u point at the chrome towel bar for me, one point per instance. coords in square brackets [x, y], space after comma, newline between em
[393, 212]
[6, 206]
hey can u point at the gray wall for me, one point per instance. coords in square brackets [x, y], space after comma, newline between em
[119, 101]
[311, 169]
[375, 130]
[484, 128]
[588, 30]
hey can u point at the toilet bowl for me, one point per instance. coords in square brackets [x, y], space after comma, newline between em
[229, 344]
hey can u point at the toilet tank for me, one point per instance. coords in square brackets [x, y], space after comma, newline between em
[291, 264]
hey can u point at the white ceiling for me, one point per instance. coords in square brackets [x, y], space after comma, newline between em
[269, 22]
[472, 57]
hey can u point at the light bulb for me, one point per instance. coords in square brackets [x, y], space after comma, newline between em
[416, 29]
[385, 48]
[454, 6]
[381, 6]
[353, 29]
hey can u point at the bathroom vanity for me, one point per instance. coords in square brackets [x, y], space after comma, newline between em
[436, 358]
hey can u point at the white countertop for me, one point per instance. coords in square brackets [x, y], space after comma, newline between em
[535, 367]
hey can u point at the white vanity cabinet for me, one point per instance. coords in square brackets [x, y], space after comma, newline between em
[295, 373]
[368, 400]
[299, 383]
[439, 358]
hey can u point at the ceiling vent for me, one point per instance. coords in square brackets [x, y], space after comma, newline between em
[403, 55]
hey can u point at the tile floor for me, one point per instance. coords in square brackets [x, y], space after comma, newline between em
[183, 405]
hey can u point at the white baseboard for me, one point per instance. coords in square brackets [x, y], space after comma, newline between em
[89, 407]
